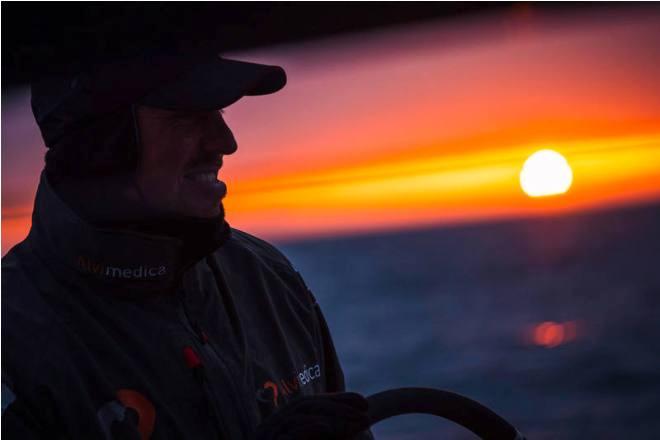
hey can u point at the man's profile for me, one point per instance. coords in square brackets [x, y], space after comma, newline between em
[133, 309]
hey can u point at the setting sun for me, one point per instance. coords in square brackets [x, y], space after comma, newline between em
[545, 173]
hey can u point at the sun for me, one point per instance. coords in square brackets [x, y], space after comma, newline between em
[545, 173]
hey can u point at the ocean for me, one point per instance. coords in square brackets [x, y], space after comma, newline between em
[463, 309]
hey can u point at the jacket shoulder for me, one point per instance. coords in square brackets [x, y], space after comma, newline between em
[268, 258]
[22, 304]
[29, 325]
[260, 248]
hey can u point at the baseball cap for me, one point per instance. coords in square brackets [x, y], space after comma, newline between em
[175, 81]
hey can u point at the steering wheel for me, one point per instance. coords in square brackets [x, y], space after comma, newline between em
[459, 409]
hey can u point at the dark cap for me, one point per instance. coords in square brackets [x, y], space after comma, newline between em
[172, 81]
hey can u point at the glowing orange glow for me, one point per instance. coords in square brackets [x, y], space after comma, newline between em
[551, 334]
[396, 130]
[15, 225]
[460, 187]
[545, 173]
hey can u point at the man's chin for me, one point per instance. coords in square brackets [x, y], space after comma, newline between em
[216, 212]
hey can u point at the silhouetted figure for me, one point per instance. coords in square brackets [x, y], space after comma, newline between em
[133, 309]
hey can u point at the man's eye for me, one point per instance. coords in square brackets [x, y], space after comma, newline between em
[188, 119]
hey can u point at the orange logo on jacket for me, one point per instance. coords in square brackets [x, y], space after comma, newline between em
[290, 386]
[130, 412]
[140, 272]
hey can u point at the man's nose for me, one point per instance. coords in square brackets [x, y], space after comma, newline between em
[219, 138]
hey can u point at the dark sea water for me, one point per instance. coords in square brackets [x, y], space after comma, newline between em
[452, 309]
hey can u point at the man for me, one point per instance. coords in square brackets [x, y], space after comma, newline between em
[132, 309]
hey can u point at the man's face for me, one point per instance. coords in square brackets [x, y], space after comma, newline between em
[181, 154]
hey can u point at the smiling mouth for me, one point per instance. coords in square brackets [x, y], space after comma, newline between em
[206, 177]
[205, 181]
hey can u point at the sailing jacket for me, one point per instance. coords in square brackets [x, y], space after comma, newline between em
[107, 335]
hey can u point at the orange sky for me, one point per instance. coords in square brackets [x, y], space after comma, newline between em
[423, 125]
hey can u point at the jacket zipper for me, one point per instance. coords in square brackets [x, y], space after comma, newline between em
[211, 397]
[242, 411]
[230, 307]
[194, 329]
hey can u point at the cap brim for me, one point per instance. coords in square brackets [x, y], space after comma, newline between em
[217, 84]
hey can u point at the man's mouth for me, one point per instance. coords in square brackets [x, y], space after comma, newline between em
[206, 181]
[209, 177]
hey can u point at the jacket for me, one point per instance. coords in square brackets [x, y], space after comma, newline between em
[109, 334]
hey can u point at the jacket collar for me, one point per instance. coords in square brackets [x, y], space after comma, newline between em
[114, 258]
